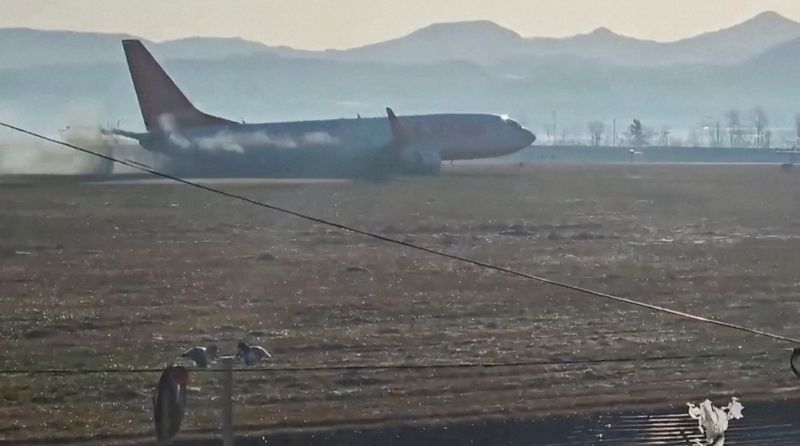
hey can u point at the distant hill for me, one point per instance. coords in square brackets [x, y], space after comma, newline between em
[267, 87]
[460, 67]
[781, 60]
[601, 44]
[205, 48]
[22, 47]
[737, 43]
[485, 42]
[481, 42]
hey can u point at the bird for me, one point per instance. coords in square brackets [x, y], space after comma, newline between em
[713, 421]
[169, 403]
[251, 353]
[202, 356]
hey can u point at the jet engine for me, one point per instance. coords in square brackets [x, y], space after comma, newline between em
[421, 162]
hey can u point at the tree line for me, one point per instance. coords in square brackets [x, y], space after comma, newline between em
[736, 131]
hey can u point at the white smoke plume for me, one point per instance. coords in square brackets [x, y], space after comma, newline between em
[319, 139]
[231, 140]
[236, 142]
[170, 128]
[713, 421]
[20, 154]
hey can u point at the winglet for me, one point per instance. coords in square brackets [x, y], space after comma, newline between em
[398, 131]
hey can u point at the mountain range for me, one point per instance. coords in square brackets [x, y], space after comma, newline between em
[481, 42]
[464, 66]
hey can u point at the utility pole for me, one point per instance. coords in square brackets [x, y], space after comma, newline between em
[226, 400]
[615, 132]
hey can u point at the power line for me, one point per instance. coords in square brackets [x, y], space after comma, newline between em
[390, 366]
[543, 280]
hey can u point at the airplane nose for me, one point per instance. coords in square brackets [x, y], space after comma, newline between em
[528, 137]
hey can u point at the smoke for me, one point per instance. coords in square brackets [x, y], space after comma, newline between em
[239, 141]
[230, 140]
[21, 154]
[236, 142]
[319, 139]
[169, 126]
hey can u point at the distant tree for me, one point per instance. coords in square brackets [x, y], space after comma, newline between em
[693, 139]
[596, 129]
[564, 135]
[734, 123]
[797, 129]
[637, 132]
[760, 122]
[666, 134]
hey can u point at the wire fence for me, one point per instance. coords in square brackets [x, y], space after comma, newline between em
[401, 366]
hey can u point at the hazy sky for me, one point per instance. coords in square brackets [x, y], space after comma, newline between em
[316, 24]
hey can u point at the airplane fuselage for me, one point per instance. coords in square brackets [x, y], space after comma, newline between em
[334, 147]
[196, 143]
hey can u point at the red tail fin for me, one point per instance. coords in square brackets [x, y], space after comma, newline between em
[159, 97]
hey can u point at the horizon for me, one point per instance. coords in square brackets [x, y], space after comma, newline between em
[680, 25]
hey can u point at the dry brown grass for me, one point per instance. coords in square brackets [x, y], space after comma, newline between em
[118, 276]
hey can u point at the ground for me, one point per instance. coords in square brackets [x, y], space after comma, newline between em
[130, 275]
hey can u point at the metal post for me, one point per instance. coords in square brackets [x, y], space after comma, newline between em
[226, 400]
[615, 132]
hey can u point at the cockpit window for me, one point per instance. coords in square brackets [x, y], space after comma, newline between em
[513, 124]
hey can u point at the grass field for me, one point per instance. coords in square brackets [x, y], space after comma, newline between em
[130, 275]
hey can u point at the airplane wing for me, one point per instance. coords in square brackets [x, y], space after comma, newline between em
[400, 155]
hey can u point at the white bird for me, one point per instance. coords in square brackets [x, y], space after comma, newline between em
[202, 356]
[713, 421]
[251, 353]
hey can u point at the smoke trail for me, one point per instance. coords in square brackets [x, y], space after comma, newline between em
[21, 155]
[92, 139]
[169, 126]
[237, 142]
[233, 140]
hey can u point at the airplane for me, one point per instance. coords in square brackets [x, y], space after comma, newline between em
[198, 144]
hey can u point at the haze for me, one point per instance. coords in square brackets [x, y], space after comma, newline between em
[318, 24]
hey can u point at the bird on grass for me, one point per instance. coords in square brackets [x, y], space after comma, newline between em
[202, 356]
[169, 403]
[713, 421]
[251, 354]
